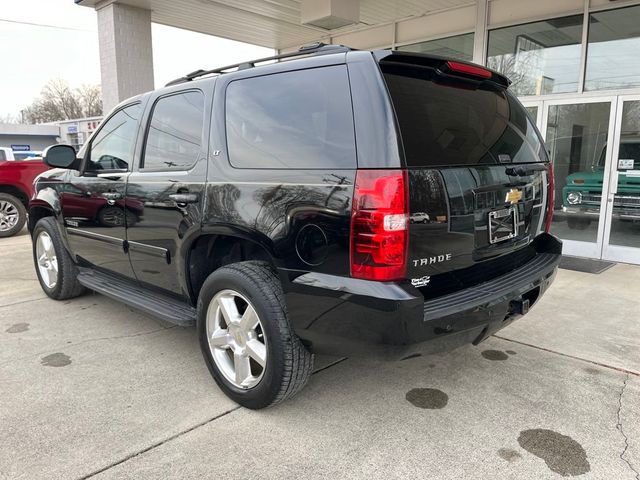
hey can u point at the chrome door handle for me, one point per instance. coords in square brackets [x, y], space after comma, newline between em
[184, 198]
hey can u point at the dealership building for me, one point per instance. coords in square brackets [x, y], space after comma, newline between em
[574, 64]
[77, 131]
[21, 138]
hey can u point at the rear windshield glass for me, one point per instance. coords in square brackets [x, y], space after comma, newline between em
[444, 125]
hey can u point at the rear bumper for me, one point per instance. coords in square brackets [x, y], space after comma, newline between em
[344, 316]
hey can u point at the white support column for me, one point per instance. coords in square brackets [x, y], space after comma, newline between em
[585, 41]
[480, 35]
[126, 60]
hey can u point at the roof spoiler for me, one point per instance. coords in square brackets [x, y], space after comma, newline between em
[445, 67]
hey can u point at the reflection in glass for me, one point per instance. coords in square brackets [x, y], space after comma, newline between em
[175, 131]
[612, 55]
[304, 122]
[112, 147]
[576, 137]
[441, 125]
[540, 57]
[459, 47]
[625, 224]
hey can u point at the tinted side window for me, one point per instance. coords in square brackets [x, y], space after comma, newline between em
[300, 119]
[175, 132]
[3, 156]
[112, 148]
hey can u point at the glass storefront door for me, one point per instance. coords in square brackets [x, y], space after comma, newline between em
[594, 144]
[622, 230]
[579, 136]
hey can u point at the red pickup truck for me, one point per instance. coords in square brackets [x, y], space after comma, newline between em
[16, 188]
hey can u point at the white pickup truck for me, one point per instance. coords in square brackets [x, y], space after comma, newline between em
[7, 153]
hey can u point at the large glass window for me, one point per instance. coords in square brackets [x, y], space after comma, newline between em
[612, 55]
[300, 119]
[540, 57]
[112, 148]
[459, 47]
[175, 132]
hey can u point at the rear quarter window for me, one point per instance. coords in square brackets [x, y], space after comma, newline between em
[301, 119]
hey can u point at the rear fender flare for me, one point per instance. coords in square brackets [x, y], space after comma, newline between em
[258, 239]
[261, 241]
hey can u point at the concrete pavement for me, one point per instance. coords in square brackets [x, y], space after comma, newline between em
[92, 389]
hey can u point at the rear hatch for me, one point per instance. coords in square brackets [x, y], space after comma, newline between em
[477, 171]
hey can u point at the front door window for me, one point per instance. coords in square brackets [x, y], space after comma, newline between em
[112, 148]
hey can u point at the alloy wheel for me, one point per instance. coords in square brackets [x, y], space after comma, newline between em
[236, 339]
[9, 215]
[47, 260]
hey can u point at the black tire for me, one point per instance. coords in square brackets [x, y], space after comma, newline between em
[67, 285]
[289, 364]
[14, 203]
[578, 223]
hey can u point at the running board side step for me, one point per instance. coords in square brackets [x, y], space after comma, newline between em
[130, 293]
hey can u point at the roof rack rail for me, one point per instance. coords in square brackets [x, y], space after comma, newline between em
[317, 48]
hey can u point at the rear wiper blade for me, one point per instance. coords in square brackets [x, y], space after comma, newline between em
[524, 170]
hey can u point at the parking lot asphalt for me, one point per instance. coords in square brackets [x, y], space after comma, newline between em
[90, 388]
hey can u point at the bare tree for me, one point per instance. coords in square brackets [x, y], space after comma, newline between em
[90, 97]
[9, 118]
[58, 101]
[515, 69]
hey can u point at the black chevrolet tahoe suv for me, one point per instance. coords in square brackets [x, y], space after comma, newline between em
[333, 201]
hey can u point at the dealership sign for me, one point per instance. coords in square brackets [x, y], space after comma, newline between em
[20, 148]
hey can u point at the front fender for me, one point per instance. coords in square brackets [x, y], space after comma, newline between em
[47, 198]
[46, 202]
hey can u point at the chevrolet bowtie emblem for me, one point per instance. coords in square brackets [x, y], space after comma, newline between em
[513, 196]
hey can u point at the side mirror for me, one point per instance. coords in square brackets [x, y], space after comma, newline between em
[60, 156]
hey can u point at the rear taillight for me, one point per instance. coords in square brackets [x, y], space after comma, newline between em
[379, 223]
[551, 198]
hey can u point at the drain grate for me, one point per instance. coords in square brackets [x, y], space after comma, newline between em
[586, 265]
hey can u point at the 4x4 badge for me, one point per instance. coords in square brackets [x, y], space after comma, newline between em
[513, 196]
